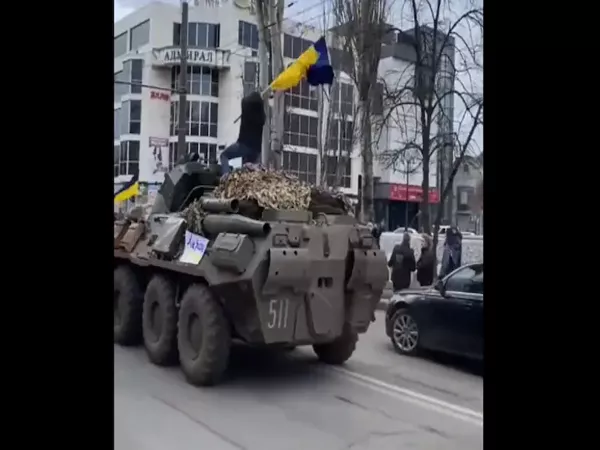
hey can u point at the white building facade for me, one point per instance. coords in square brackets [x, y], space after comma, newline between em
[223, 67]
[222, 59]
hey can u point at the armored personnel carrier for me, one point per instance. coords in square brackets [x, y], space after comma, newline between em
[282, 280]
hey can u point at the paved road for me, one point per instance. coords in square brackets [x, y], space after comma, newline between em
[379, 400]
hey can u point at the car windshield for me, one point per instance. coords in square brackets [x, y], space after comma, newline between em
[466, 279]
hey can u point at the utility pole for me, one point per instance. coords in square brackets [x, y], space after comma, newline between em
[406, 206]
[410, 164]
[183, 37]
[275, 18]
[263, 67]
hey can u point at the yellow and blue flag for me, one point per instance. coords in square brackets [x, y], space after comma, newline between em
[313, 65]
[130, 190]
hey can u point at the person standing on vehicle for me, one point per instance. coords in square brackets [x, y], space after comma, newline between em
[452, 256]
[248, 144]
[425, 265]
[402, 263]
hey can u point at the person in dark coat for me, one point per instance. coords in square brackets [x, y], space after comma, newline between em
[376, 233]
[402, 263]
[248, 145]
[425, 265]
[452, 256]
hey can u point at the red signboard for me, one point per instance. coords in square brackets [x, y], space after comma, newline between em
[412, 194]
[160, 95]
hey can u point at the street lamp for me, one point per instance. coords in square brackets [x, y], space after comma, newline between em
[410, 165]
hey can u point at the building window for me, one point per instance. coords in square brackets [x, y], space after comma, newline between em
[423, 81]
[341, 60]
[340, 136]
[302, 96]
[247, 34]
[207, 152]
[116, 155]
[139, 35]
[294, 46]
[176, 33]
[343, 99]
[120, 44]
[117, 123]
[131, 117]
[303, 165]
[300, 130]
[200, 34]
[200, 80]
[250, 77]
[464, 195]
[346, 172]
[133, 73]
[120, 89]
[129, 158]
[202, 118]
[135, 117]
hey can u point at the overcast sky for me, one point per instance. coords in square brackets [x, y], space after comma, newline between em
[300, 10]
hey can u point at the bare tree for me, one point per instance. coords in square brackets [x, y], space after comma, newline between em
[324, 130]
[410, 163]
[362, 30]
[325, 115]
[269, 15]
[446, 37]
[477, 203]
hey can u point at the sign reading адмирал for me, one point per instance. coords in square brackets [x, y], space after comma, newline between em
[171, 56]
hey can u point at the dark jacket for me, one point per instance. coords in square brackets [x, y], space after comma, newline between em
[376, 233]
[403, 264]
[252, 122]
[452, 255]
[425, 268]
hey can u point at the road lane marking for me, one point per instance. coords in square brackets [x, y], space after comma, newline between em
[440, 406]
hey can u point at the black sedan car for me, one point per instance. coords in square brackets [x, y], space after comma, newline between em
[447, 317]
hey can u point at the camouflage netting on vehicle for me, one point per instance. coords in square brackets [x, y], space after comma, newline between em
[259, 188]
[276, 189]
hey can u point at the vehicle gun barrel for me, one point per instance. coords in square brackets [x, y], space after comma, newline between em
[214, 224]
[216, 205]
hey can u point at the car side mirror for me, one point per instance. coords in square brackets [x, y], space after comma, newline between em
[439, 286]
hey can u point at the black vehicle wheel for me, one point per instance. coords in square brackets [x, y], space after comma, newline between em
[159, 322]
[204, 337]
[338, 351]
[405, 333]
[127, 307]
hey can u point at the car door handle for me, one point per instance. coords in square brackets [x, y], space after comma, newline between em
[467, 304]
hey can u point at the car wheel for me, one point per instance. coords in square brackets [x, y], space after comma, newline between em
[405, 333]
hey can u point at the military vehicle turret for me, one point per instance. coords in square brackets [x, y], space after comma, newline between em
[288, 279]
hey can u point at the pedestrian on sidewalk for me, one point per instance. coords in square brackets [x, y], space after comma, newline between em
[402, 263]
[425, 265]
[452, 256]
